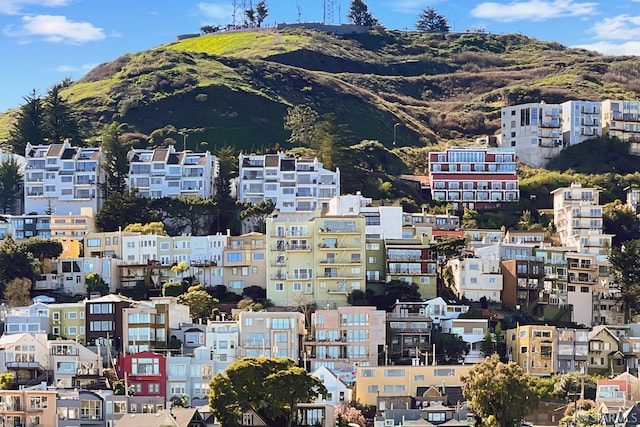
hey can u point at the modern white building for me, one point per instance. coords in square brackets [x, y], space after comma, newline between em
[621, 119]
[533, 130]
[581, 120]
[472, 332]
[272, 334]
[474, 278]
[222, 339]
[381, 222]
[61, 179]
[165, 172]
[293, 184]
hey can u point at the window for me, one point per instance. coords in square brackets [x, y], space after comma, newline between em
[145, 366]
[279, 287]
[394, 372]
[234, 256]
[38, 402]
[91, 409]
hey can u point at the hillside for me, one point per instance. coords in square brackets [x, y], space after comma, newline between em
[235, 88]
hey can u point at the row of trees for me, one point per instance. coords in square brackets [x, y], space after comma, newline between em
[429, 21]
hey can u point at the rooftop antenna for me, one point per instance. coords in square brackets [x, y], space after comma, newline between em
[327, 15]
[234, 4]
[299, 7]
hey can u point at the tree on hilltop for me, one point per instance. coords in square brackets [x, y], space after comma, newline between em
[359, 14]
[431, 21]
[10, 184]
[29, 125]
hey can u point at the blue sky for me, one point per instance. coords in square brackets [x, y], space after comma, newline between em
[44, 41]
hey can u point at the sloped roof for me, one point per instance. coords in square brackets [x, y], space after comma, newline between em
[179, 417]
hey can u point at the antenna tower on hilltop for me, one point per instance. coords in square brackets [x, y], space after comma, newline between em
[327, 13]
[299, 7]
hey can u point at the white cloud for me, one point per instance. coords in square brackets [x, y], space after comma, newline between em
[220, 12]
[14, 7]
[621, 27]
[58, 29]
[532, 10]
[608, 48]
[74, 69]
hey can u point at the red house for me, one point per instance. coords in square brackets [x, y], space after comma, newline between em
[146, 372]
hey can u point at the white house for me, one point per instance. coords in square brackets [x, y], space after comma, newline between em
[474, 278]
[472, 332]
[439, 309]
[337, 390]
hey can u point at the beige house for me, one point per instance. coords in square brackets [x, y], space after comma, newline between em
[28, 408]
[605, 356]
[244, 262]
[272, 334]
[534, 348]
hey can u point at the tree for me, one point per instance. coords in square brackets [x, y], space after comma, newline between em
[43, 248]
[450, 348]
[255, 214]
[6, 380]
[620, 220]
[115, 163]
[487, 346]
[583, 414]
[15, 262]
[272, 387]
[291, 386]
[122, 209]
[501, 394]
[226, 212]
[193, 213]
[156, 227]
[250, 14]
[569, 385]
[359, 14]
[29, 126]
[625, 269]
[349, 414]
[450, 247]
[431, 21]
[397, 290]
[59, 120]
[11, 180]
[301, 120]
[200, 303]
[179, 401]
[261, 12]
[18, 292]
[95, 283]
[172, 289]
[210, 29]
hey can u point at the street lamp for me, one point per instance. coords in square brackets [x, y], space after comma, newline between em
[395, 126]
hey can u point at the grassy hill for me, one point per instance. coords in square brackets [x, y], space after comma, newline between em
[235, 88]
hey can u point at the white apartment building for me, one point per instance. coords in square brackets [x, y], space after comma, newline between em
[165, 172]
[222, 338]
[472, 332]
[69, 274]
[621, 119]
[533, 130]
[577, 215]
[152, 247]
[61, 179]
[581, 120]
[293, 184]
[474, 278]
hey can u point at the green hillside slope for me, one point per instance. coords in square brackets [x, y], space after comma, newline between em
[235, 88]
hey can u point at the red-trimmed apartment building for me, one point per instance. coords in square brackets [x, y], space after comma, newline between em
[474, 177]
[146, 372]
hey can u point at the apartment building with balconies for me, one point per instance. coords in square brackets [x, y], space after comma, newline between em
[244, 262]
[413, 261]
[523, 285]
[72, 364]
[573, 349]
[534, 348]
[293, 184]
[444, 222]
[582, 281]
[380, 221]
[408, 333]
[581, 120]
[68, 275]
[165, 172]
[61, 179]
[534, 131]
[27, 407]
[103, 320]
[272, 334]
[577, 216]
[190, 376]
[26, 357]
[474, 177]
[621, 119]
[81, 407]
[346, 337]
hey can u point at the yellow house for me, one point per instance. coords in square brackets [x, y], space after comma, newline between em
[404, 380]
[68, 320]
[71, 248]
[533, 347]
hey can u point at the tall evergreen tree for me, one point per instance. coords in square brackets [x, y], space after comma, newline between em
[261, 12]
[29, 126]
[59, 122]
[226, 211]
[431, 21]
[359, 14]
[10, 184]
[116, 160]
